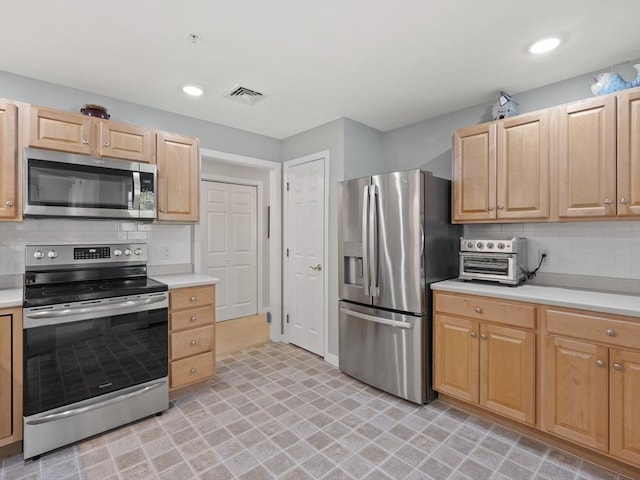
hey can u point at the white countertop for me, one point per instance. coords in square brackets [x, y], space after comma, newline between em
[604, 302]
[180, 280]
[10, 297]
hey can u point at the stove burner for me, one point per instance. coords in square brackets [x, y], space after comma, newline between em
[65, 290]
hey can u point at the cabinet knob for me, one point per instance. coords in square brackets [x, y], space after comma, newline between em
[490, 209]
[624, 200]
[193, 299]
[617, 366]
[161, 210]
[194, 370]
[9, 203]
[500, 207]
[599, 363]
[478, 310]
[85, 141]
[483, 336]
[193, 342]
[193, 319]
[611, 333]
[607, 201]
[473, 334]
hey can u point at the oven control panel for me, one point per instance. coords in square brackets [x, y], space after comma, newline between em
[503, 245]
[70, 255]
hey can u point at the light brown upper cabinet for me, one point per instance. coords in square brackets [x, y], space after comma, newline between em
[9, 188]
[587, 158]
[75, 133]
[629, 153]
[178, 161]
[501, 170]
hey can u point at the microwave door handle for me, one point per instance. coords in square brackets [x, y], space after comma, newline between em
[373, 239]
[365, 240]
[136, 191]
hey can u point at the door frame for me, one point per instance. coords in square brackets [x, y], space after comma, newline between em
[322, 155]
[275, 245]
[259, 225]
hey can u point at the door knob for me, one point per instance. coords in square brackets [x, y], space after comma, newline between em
[317, 268]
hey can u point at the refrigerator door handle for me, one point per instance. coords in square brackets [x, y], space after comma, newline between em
[371, 318]
[373, 240]
[365, 239]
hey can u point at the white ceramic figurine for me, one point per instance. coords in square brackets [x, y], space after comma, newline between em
[612, 82]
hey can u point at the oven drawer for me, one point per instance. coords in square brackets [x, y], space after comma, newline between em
[499, 311]
[191, 342]
[593, 326]
[191, 297]
[194, 317]
[192, 369]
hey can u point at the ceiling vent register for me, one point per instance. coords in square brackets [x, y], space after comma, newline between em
[244, 95]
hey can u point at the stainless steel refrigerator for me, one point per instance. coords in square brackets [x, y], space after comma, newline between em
[395, 239]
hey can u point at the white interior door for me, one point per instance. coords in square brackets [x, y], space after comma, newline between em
[305, 286]
[229, 249]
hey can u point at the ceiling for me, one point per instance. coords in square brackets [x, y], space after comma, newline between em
[382, 63]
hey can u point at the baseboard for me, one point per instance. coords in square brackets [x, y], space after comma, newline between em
[331, 359]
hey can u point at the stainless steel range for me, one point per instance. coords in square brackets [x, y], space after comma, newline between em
[95, 342]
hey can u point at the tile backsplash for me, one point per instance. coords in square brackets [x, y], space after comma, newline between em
[598, 249]
[168, 244]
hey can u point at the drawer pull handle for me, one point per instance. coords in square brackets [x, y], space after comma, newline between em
[483, 336]
[194, 342]
[193, 299]
[85, 141]
[478, 310]
[194, 370]
[617, 366]
[193, 319]
[473, 334]
[611, 333]
[599, 363]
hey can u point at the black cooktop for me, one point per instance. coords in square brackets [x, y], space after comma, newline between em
[41, 294]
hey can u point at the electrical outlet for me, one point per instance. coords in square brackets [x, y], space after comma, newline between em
[166, 252]
[547, 259]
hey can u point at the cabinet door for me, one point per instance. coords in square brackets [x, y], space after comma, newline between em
[6, 386]
[523, 167]
[178, 177]
[587, 158]
[118, 140]
[507, 372]
[8, 161]
[55, 130]
[629, 153]
[456, 357]
[474, 173]
[575, 391]
[624, 383]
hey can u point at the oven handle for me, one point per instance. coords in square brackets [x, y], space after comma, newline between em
[101, 308]
[136, 191]
[88, 408]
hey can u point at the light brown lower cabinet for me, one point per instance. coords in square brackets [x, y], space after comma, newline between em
[192, 335]
[486, 362]
[10, 376]
[591, 380]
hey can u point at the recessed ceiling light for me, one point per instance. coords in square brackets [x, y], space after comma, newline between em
[545, 45]
[192, 90]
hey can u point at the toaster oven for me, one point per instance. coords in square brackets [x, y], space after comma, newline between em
[494, 260]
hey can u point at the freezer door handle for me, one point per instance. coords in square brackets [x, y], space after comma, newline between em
[365, 239]
[371, 318]
[373, 239]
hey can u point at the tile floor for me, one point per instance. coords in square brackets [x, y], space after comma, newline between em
[276, 411]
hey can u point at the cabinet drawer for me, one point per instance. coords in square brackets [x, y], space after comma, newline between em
[594, 327]
[193, 317]
[482, 308]
[191, 297]
[192, 369]
[191, 342]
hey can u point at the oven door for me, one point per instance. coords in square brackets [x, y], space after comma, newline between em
[498, 267]
[75, 352]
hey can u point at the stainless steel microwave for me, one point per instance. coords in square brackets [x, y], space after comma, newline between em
[58, 184]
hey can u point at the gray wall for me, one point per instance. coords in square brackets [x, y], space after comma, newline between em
[211, 135]
[362, 150]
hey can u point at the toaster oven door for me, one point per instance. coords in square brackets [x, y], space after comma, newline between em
[486, 266]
